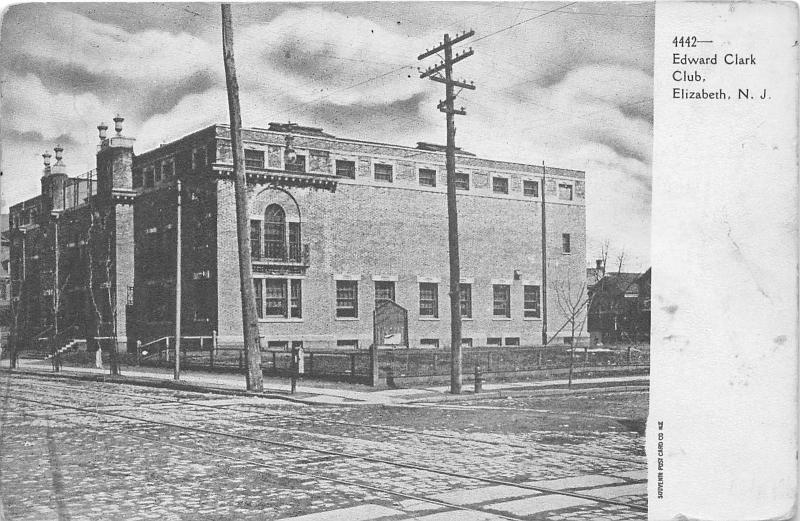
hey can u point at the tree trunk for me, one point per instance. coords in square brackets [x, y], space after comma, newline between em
[249, 314]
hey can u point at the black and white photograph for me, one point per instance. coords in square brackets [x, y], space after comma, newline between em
[362, 260]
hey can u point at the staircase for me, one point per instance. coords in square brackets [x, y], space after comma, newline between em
[69, 346]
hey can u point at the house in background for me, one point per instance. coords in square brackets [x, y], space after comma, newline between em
[619, 308]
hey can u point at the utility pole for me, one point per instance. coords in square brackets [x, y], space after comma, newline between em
[447, 106]
[255, 380]
[544, 260]
[178, 282]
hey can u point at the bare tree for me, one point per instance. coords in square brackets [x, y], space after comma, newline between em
[571, 300]
[98, 238]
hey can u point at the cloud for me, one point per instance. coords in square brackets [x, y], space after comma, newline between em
[573, 88]
[313, 52]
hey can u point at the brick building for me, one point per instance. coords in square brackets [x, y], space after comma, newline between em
[345, 224]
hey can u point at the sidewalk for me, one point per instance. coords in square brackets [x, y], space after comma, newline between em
[322, 393]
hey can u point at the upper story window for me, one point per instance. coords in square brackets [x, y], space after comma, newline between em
[530, 188]
[429, 299]
[274, 238]
[531, 304]
[383, 172]
[168, 169]
[384, 290]
[347, 298]
[299, 164]
[137, 178]
[149, 179]
[462, 181]
[253, 158]
[427, 177]
[500, 185]
[565, 192]
[566, 247]
[255, 238]
[502, 300]
[274, 232]
[465, 300]
[346, 168]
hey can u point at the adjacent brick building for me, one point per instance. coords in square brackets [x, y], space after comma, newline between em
[346, 223]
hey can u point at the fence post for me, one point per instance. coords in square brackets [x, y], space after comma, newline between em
[138, 352]
[167, 339]
[478, 380]
[373, 365]
[435, 360]
[214, 341]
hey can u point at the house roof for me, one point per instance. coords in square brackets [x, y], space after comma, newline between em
[615, 283]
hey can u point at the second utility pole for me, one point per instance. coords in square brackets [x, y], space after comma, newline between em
[449, 109]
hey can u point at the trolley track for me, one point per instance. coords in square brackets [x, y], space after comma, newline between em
[243, 408]
[327, 452]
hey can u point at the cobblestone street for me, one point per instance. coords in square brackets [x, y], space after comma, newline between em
[89, 450]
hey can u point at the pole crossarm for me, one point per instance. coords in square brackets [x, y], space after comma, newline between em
[441, 46]
[463, 83]
[448, 62]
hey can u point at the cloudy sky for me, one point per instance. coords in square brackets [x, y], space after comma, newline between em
[568, 84]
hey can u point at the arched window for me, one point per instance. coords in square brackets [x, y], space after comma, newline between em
[275, 232]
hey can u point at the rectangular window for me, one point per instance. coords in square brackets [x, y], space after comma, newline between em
[157, 175]
[512, 341]
[429, 342]
[494, 341]
[384, 290]
[530, 188]
[255, 238]
[500, 185]
[211, 152]
[295, 248]
[299, 165]
[565, 243]
[137, 178]
[427, 177]
[466, 342]
[383, 172]
[462, 181]
[465, 300]
[253, 158]
[169, 169]
[275, 298]
[429, 299]
[531, 302]
[502, 300]
[278, 345]
[565, 192]
[346, 169]
[258, 284]
[149, 180]
[347, 344]
[346, 298]
[296, 302]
